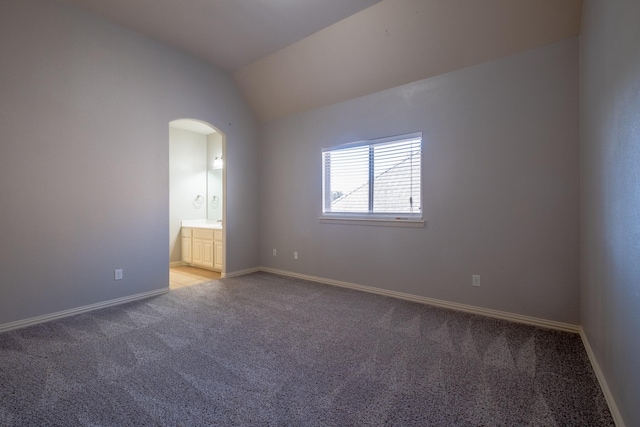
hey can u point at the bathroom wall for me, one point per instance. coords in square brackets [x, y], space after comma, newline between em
[214, 178]
[187, 180]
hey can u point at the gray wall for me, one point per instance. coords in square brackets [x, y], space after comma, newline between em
[610, 155]
[85, 108]
[500, 182]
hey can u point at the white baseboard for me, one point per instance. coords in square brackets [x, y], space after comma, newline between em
[239, 272]
[613, 408]
[549, 324]
[66, 313]
[177, 264]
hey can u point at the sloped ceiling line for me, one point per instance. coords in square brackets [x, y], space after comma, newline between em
[396, 42]
[290, 56]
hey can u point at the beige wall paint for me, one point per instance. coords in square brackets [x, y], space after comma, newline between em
[396, 42]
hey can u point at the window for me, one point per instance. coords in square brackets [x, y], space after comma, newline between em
[376, 180]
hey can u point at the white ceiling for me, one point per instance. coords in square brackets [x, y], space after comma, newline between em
[289, 56]
[227, 33]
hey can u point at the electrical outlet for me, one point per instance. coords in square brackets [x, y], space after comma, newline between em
[295, 255]
[475, 280]
[118, 274]
[275, 252]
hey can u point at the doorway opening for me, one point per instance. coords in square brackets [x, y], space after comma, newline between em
[197, 202]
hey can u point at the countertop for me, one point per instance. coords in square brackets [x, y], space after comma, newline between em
[202, 223]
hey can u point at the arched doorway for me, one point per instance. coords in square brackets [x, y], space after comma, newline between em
[197, 202]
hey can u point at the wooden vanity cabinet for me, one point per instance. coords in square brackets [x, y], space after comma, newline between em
[185, 235]
[202, 247]
[218, 253]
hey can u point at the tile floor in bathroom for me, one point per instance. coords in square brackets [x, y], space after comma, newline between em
[180, 277]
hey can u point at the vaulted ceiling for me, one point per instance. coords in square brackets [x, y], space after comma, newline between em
[289, 56]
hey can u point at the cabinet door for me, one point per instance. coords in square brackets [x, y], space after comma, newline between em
[197, 252]
[217, 256]
[207, 253]
[186, 250]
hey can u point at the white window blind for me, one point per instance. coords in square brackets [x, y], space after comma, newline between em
[376, 178]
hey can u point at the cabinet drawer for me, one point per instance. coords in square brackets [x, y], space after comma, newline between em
[199, 233]
[186, 232]
[217, 235]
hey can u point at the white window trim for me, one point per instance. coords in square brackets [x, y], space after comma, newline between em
[389, 222]
[416, 220]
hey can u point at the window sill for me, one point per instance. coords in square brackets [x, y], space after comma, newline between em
[384, 222]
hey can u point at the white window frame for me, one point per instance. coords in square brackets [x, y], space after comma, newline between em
[371, 218]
